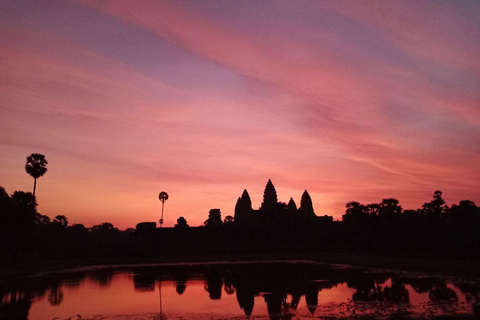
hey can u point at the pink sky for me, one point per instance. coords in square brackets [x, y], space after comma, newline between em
[201, 99]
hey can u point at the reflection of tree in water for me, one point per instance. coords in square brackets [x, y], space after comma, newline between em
[397, 292]
[213, 285]
[441, 293]
[437, 289]
[102, 276]
[56, 295]
[16, 309]
[274, 283]
[73, 280]
[472, 295]
[16, 297]
[295, 300]
[471, 291]
[144, 281]
[421, 285]
[369, 288]
[180, 277]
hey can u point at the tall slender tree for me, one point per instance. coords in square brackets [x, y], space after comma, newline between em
[36, 166]
[163, 196]
[436, 207]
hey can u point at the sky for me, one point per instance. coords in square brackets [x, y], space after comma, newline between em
[350, 100]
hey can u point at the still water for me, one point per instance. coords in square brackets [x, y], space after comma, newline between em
[282, 290]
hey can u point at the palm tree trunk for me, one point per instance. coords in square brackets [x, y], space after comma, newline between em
[161, 224]
[160, 293]
[34, 186]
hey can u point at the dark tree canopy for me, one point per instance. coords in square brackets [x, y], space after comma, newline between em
[356, 213]
[61, 221]
[104, 227]
[181, 223]
[163, 196]
[42, 219]
[389, 208]
[36, 165]
[22, 210]
[3, 194]
[24, 199]
[435, 207]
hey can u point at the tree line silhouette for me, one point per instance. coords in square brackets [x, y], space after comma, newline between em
[274, 227]
[25, 233]
[282, 287]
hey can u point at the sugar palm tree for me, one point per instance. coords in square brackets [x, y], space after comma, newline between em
[36, 166]
[163, 196]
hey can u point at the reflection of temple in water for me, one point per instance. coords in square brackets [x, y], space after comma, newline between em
[213, 285]
[287, 290]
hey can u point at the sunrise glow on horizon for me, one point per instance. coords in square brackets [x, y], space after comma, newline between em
[352, 101]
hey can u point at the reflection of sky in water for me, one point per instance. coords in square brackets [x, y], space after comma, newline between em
[135, 295]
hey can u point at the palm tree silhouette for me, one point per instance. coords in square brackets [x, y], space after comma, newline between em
[36, 166]
[163, 196]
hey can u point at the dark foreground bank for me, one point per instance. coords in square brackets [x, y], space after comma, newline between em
[445, 266]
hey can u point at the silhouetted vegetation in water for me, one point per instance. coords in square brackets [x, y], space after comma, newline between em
[274, 227]
[282, 287]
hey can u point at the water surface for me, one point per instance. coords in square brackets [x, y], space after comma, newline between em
[280, 290]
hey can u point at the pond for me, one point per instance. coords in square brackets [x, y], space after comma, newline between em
[259, 290]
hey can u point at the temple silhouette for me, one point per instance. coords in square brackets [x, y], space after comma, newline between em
[273, 224]
[271, 214]
[276, 227]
